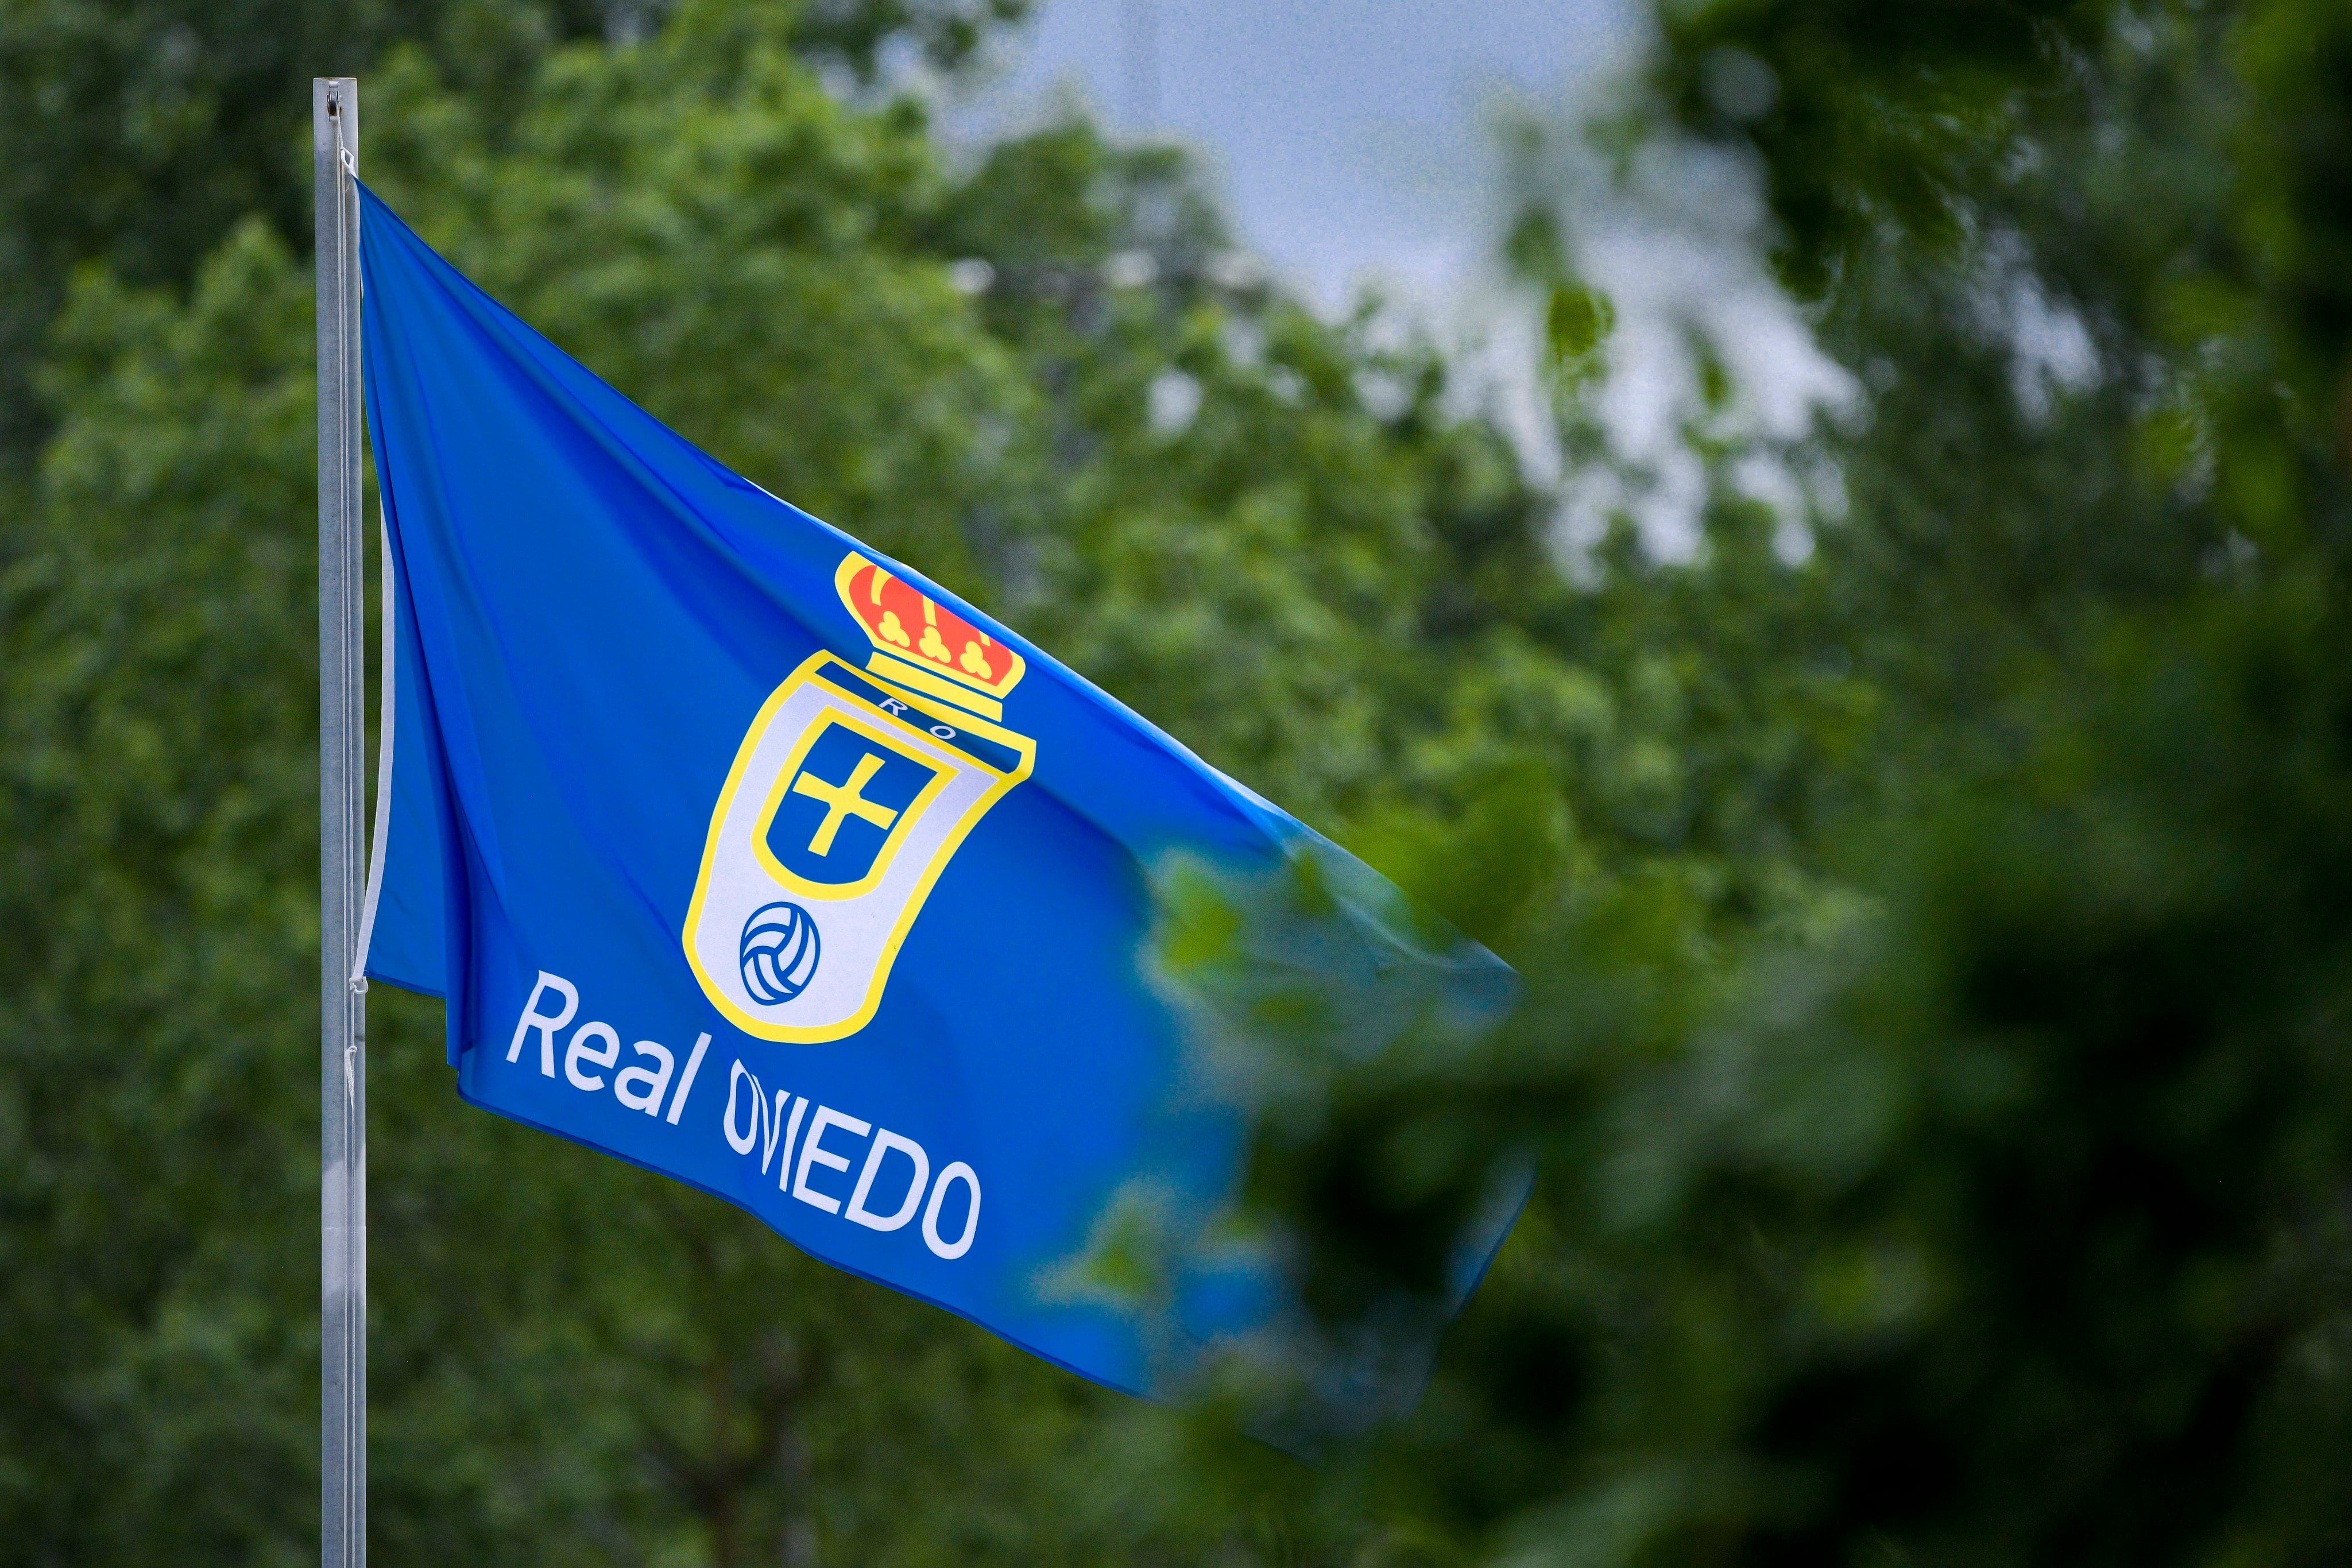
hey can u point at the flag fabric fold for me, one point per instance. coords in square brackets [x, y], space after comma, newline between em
[741, 851]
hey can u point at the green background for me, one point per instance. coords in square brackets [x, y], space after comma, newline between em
[1933, 896]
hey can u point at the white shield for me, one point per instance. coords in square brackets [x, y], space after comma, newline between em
[787, 944]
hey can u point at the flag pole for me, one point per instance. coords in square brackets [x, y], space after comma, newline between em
[342, 739]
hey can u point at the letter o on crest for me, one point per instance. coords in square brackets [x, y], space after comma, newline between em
[962, 1244]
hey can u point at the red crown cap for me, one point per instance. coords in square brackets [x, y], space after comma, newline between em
[905, 624]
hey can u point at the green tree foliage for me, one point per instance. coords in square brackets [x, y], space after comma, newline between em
[136, 135]
[1982, 1201]
[1928, 903]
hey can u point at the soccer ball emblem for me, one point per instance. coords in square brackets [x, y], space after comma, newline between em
[779, 953]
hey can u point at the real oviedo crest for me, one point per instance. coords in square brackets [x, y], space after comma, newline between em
[849, 795]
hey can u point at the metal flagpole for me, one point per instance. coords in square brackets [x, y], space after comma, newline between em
[343, 740]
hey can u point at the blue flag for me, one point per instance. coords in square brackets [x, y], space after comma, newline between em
[743, 853]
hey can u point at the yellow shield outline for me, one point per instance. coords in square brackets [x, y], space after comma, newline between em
[811, 672]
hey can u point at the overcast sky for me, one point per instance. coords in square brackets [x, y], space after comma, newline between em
[1352, 141]
[1349, 137]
